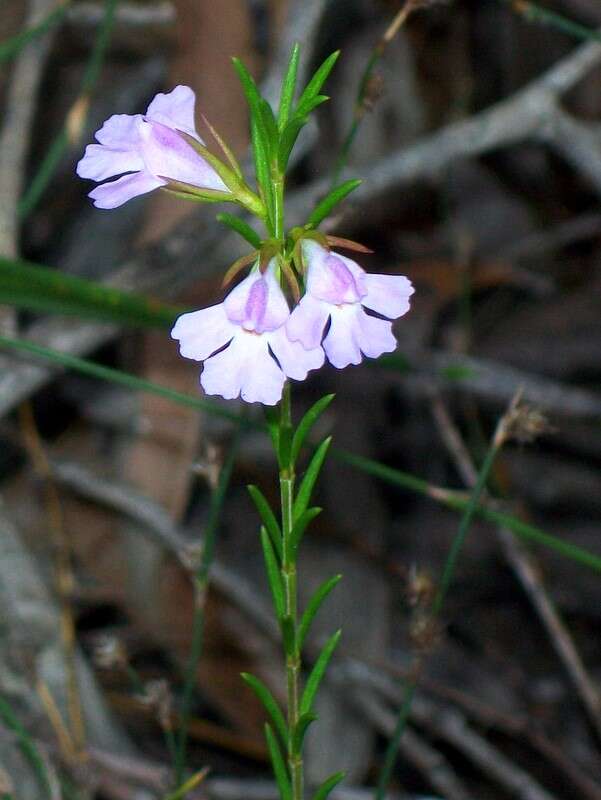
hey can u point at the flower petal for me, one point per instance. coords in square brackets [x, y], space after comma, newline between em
[175, 110]
[115, 193]
[388, 294]
[258, 303]
[329, 277]
[244, 368]
[201, 333]
[372, 335]
[100, 162]
[120, 131]
[340, 344]
[166, 154]
[294, 360]
[307, 322]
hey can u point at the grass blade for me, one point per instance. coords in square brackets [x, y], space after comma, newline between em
[317, 673]
[288, 87]
[318, 79]
[242, 228]
[10, 47]
[36, 288]
[327, 786]
[306, 424]
[279, 767]
[269, 521]
[310, 477]
[273, 575]
[299, 527]
[332, 199]
[314, 605]
[271, 706]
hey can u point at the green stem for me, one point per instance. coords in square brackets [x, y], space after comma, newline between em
[535, 13]
[201, 583]
[10, 47]
[445, 582]
[60, 143]
[288, 570]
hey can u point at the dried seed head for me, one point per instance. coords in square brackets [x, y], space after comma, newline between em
[158, 698]
[424, 631]
[420, 588]
[523, 423]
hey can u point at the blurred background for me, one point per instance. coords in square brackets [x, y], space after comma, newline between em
[479, 145]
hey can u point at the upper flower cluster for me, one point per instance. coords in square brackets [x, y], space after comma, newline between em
[148, 151]
[251, 342]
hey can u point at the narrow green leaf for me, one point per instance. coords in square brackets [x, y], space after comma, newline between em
[273, 575]
[332, 199]
[10, 47]
[299, 527]
[301, 500]
[319, 78]
[304, 428]
[317, 673]
[262, 168]
[240, 227]
[327, 786]
[268, 700]
[279, 767]
[201, 196]
[314, 605]
[26, 745]
[288, 87]
[303, 110]
[268, 517]
[37, 288]
[287, 139]
[301, 729]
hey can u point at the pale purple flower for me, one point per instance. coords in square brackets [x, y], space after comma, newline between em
[146, 150]
[339, 291]
[240, 339]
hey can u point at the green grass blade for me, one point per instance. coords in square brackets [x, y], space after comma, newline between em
[301, 501]
[269, 521]
[301, 729]
[242, 228]
[288, 87]
[26, 745]
[330, 201]
[279, 767]
[307, 423]
[317, 673]
[314, 605]
[125, 379]
[327, 786]
[91, 73]
[299, 527]
[36, 288]
[270, 704]
[318, 79]
[10, 47]
[273, 575]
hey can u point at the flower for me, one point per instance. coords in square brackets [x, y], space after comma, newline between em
[243, 342]
[147, 151]
[339, 291]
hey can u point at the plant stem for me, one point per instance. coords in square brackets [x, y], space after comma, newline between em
[288, 569]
